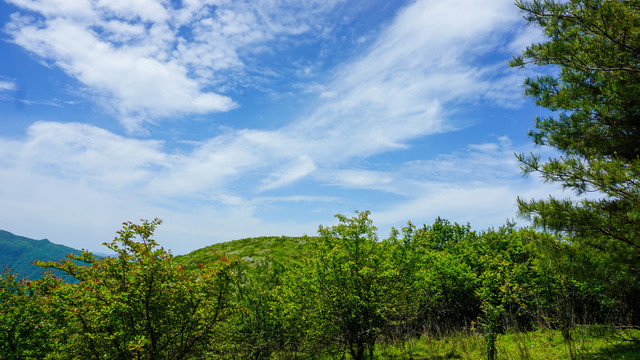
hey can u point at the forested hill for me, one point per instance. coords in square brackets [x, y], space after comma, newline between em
[18, 252]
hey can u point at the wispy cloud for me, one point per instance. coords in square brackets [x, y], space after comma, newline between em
[490, 162]
[408, 83]
[78, 152]
[479, 185]
[89, 178]
[146, 59]
[7, 86]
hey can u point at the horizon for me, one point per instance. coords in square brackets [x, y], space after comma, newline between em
[230, 120]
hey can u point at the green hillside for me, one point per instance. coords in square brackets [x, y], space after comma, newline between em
[18, 252]
[251, 249]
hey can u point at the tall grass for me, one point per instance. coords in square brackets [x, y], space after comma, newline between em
[588, 342]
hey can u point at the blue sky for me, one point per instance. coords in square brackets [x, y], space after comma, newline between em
[230, 119]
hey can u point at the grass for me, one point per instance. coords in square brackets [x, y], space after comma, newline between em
[250, 250]
[588, 343]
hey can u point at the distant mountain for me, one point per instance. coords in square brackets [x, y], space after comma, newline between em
[18, 252]
[251, 250]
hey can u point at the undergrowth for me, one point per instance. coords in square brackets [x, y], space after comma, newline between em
[588, 343]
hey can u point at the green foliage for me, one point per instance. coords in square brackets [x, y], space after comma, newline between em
[345, 291]
[27, 327]
[596, 100]
[355, 290]
[136, 305]
[500, 285]
[258, 332]
[348, 294]
[262, 325]
[591, 286]
[438, 284]
[543, 344]
[460, 278]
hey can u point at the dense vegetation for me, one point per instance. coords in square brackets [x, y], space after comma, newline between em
[595, 126]
[571, 280]
[349, 293]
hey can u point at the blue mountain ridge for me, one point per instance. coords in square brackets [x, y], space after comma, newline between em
[18, 252]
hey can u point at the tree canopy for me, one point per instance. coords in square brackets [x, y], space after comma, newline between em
[592, 52]
[138, 304]
[595, 126]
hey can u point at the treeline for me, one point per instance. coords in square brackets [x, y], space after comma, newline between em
[350, 292]
[353, 290]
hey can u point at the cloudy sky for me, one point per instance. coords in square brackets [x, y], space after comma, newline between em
[238, 118]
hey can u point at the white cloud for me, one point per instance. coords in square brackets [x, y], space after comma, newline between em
[79, 182]
[404, 86]
[146, 60]
[358, 179]
[407, 83]
[90, 180]
[480, 206]
[79, 9]
[479, 186]
[488, 163]
[7, 86]
[302, 167]
[145, 10]
[137, 85]
[525, 37]
[82, 216]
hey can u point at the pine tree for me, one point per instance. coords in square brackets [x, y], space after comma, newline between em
[593, 51]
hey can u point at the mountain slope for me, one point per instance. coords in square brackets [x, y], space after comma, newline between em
[251, 250]
[18, 252]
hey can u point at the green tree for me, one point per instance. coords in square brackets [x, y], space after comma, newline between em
[505, 279]
[595, 125]
[344, 293]
[28, 327]
[139, 304]
[438, 293]
[258, 332]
